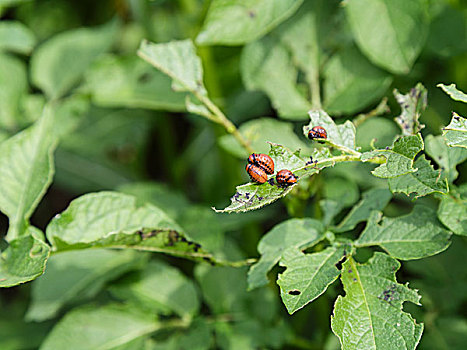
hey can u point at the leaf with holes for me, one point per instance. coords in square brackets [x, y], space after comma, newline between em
[307, 276]
[339, 135]
[370, 314]
[399, 158]
[452, 210]
[453, 92]
[253, 196]
[413, 236]
[292, 233]
[412, 105]
[422, 182]
[455, 133]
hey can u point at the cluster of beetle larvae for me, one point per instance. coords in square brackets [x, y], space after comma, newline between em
[260, 165]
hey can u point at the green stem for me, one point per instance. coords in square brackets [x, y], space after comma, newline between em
[381, 108]
[315, 89]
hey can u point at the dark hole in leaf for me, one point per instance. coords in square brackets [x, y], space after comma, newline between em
[295, 292]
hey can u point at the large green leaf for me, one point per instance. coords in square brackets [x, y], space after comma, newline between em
[413, 236]
[307, 276]
[258, 132]
[58, 64]
[452, 91]
[370, 314]
[16, 37]
[23, 260]
[399, 158]
[455, 133]
[422, 182]
[412, 105]
[235, 22]
[129, 82]
[374, 199]
[452, 211]
[77, 275]
[27, 169]
[99, 328]
[351, 82]
[402, 30]
[266, 65]
[160, 288]
[292, 233]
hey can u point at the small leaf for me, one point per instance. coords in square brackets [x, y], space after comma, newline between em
[292, 233]
[455, 133]
[446, 157]
[129, 82]
[452, 211]
[75, 276]
[23, 260]
[59, 63]
[258, 132]
[399, 158]
[307, 276]
[370, 314]
[235, 22]
[27, 169]
[422, 182]
[340, 135]
[266, 65]
[16, 37]
[412, 105]
[160, 288]
[374, 199]
[413, 236]
[453, 92]
[98, 328]
[402, 24]
[179, 61]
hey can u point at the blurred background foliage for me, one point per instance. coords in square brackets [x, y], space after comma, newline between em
[132, 134]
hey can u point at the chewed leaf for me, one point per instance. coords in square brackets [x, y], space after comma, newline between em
[399, 158]
[339, 135]
[412, 105]
[455, 133]
[452, 91]
[253, 196]
[452, 211]
[370, 314]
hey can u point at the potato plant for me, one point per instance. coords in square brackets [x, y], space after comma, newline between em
[127, 217]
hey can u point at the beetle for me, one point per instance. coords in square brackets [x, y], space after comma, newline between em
[263, 161]
[285, 177]
[256, 173]
[317, 132]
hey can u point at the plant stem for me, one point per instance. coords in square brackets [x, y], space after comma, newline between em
[315, 89]
[381, 108]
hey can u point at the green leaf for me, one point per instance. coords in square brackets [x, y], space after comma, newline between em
[292, 233]
[455, 133]
[370, 314]
[307, 276]
[376, 132]
[453, 92]
[422, 182]
[446, 333]
[446, 157]
[351, 83]
[266, 65]
[342, 189]
[179, 61]
[413, 236]
[452, 211]
[235, 22]
[258, 132]
[402, 30]
[412, 106]
[75, 276]
[14, 83]
[126, 81]
[399, 158]
[160, 288]
[16, 37]
[98, 328]
[27, 169]
[23, 260]
[374, 199]
[58, 64]
[253, 196]
[340, 135]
